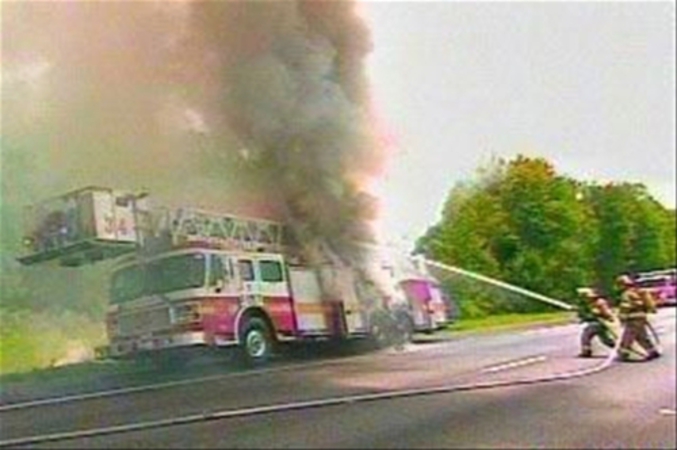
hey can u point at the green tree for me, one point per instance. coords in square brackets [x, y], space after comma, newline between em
[636, 233]
[555, 230]
[521, 222]
[670, 237]
[466, 237]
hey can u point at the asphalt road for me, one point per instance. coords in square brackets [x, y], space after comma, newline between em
[520, 389]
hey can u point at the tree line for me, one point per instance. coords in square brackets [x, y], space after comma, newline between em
[521, 222]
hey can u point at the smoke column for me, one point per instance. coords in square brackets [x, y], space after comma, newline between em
[251, 107]
[290, 84]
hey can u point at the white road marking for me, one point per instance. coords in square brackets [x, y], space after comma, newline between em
[317, 403]
[164, 385]
[667, 412]
[204, 379]
[412, 348]
[514, 364]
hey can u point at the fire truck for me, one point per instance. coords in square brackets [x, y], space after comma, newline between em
[661, 284]
[185, 278]
[426, 302]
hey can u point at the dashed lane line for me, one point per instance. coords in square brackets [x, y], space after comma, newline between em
[515, 364]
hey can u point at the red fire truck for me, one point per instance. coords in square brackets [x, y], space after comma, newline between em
[661, 284]
[188, 278]
[427, 303]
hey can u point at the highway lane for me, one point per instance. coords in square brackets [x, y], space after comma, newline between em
[396, 422]
[581, 413]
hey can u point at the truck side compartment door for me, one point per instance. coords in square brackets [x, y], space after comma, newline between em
[249, 287]
[275, 293]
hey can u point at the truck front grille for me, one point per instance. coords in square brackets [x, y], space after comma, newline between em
[143, 321]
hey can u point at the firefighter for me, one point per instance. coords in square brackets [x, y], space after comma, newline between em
[633, 309]
[594, 311]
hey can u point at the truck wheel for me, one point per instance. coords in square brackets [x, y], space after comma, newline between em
[256, 342]
[403, 330]
[405, 327]
[378, 338]
[380, 331]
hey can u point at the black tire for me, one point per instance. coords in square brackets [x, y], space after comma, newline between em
[256, 341]
[378, 337]
[403, 330]
[378, 331]
[390, 330]
[405, 326]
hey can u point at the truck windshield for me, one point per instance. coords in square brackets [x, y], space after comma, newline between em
[161, 276]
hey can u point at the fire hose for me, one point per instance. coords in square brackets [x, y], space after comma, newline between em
[653, 333]
[302, 405]
[310, 404]
[536, 296]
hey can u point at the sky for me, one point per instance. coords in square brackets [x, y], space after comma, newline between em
[588, 86]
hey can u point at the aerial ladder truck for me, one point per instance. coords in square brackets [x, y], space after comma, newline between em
[184, 278]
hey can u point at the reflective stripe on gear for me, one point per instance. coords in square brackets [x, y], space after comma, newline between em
[632, 315]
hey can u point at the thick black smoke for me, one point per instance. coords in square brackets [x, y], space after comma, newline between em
[290, 84]
[260, 107]
[251, 107]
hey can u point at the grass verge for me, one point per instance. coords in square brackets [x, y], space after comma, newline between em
[506, 322]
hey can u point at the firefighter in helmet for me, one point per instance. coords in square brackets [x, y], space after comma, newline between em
[633, 309]
[594, 310]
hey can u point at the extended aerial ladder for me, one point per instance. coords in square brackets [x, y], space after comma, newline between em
[96, 223]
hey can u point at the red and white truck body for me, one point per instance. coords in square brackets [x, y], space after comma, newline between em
[203, 296]
[418, 289]
[661, 284]
[428, 306]
[185, 277]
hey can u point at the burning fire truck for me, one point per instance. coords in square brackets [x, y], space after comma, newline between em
[184, 277]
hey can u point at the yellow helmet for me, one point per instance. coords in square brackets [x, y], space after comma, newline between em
[587, 292]
[625, 280]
